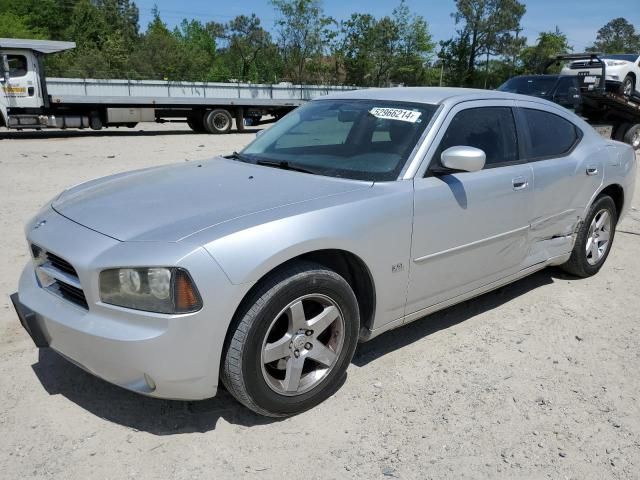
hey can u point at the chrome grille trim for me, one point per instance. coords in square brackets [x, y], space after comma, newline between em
[57, 276]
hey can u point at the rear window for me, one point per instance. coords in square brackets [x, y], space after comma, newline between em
[535, 86]
[550, 135]
[623, 56]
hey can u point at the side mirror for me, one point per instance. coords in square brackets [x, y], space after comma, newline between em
[4, 68]
[466, 159]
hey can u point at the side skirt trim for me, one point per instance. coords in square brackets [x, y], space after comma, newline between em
[366, 335]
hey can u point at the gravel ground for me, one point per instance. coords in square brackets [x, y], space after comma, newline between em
[539, 379]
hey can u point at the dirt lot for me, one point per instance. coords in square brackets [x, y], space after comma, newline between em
[540, 379]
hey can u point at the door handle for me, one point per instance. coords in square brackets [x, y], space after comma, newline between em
[520, 183]
[592, 170]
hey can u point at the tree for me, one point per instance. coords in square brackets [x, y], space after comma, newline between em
[378, 52]
[247, 41]
[414, 46]
[303, 30]
[487, 28]
[159, 54]
[15, 26]
[617, 36]
[549, 45]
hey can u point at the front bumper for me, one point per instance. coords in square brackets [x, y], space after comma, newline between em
[167, 356]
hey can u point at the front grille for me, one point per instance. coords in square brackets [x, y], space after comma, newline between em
[61, 264]
[71, 293]
[587, 64]
[58, 276]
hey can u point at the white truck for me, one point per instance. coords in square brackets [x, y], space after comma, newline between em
[29, 100]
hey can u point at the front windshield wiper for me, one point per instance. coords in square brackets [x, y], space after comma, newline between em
[239, 156]
[284, 165]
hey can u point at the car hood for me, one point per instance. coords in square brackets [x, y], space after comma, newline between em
[173, 202]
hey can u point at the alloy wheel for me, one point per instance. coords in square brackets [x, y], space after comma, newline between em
[598, 239]
[302, 344]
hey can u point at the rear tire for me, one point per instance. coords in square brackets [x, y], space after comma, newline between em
[291, 340]
[218, 121]
[595, 238]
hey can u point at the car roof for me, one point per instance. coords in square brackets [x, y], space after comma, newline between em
[427, 95]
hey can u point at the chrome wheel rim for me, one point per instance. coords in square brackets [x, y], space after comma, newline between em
[599, 237]
[635, 139]
[302, 345]
[220, 121]
[628, 87]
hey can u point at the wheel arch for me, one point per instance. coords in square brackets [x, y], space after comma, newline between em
[345, 263]
[616, 192]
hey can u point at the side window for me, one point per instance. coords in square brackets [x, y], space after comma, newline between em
[491, 129]
[550, 134]
[17, 65]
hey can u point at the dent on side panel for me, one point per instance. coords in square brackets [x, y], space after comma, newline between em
[373, 224]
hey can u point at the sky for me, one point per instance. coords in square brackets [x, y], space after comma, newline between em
[578, 19]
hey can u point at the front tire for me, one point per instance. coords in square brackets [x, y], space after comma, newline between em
[595, 238]
[628, 86]
[291, 341]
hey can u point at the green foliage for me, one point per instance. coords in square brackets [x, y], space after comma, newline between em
[303, 31]
[548, 46]
[617, 36]
[305, 45]
[487, 28]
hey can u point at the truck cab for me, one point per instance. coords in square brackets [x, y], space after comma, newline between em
[23, 91]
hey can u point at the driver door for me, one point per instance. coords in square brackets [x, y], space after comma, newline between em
[470, 228]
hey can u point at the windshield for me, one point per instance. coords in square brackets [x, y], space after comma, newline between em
[536, 86]
[626, 56]
[358, 139]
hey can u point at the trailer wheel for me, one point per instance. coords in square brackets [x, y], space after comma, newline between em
[218, 121]
[632, 136]
[196, 122]
[95, 122]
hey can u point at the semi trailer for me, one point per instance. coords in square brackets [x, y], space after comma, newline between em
[30, 100]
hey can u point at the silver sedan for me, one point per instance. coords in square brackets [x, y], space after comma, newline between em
[353, 215]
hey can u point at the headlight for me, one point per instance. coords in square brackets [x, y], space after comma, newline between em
[615, 63]
[153, 289]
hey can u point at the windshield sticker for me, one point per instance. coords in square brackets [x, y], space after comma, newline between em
[395, 114]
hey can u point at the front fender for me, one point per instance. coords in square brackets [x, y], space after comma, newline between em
[374, 225]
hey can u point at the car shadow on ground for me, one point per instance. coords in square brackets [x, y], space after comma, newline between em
[48, 134]
[167, 417]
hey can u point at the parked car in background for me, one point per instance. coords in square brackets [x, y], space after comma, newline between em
[561, 89]
[354, 214]
[622, 70]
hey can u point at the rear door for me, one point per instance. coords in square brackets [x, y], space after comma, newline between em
[565, 176]
[470, 228]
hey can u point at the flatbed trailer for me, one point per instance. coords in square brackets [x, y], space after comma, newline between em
[29, 100]
[605, 107]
